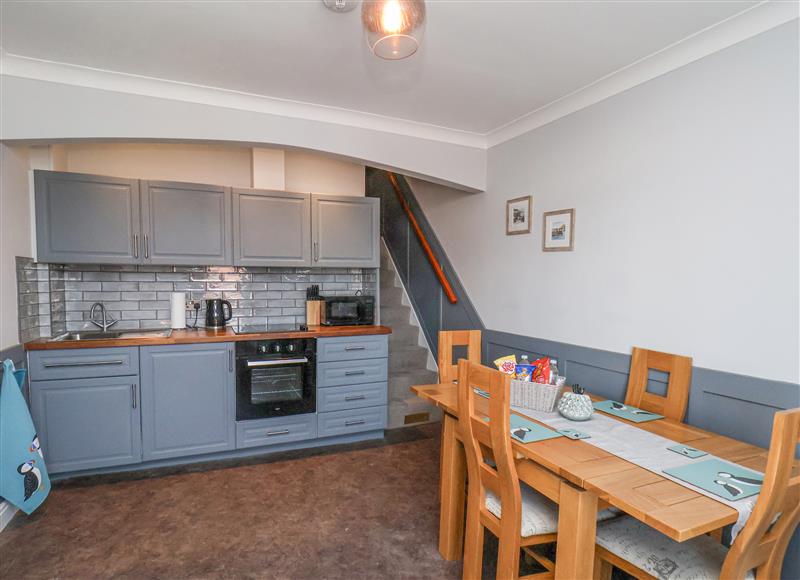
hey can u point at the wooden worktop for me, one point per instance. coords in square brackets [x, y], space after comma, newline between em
[200, 335]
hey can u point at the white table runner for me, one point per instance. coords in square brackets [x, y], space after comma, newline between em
[642, 448]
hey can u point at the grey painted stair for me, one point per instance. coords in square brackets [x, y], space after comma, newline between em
[407, 359]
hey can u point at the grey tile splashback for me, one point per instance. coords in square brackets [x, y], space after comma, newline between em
[57, 297]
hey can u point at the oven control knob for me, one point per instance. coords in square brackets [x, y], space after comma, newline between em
[262, 348]
[275, 347]
[290, 347]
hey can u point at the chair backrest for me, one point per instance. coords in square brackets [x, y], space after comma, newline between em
[484, 440]
[762, 542]
[448, 369]
[673, 405]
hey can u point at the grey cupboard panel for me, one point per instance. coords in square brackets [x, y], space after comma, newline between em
[86, 219]
[351, 421]
[345, 231]
[351, 372]
[271, 228]
[87, 423]
[186, 224]
[188, 400]
[352, 348]
[81, 363]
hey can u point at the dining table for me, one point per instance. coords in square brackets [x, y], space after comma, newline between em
[583, 478]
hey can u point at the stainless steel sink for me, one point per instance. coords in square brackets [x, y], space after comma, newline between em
[113, 334]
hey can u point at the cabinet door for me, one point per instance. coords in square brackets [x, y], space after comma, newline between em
[271, 228]
[86, 218]
[188, 400]
[186, 224]
[345, 231]
[87, 423]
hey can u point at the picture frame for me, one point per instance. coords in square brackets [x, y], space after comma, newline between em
[519, 212]
[558, 230]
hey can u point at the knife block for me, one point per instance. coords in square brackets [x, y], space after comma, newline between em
[313, 312]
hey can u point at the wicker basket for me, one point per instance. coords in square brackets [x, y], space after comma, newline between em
[535, 396]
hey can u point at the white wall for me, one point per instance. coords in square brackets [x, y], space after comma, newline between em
[15, 234]
[45, 110]
[309, 172]
[686, 238]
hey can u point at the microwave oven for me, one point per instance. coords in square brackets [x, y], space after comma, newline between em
[348, 310]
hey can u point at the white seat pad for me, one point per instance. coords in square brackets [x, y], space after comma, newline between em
[539, 514]
[648, 549]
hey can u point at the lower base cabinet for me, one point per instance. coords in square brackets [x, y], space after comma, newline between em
[87, 423]
[351, 421]
[260, 432]
[188, 400]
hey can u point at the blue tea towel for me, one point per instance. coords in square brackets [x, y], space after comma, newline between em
[23, 476]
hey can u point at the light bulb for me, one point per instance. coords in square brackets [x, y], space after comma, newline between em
[392, 17]
[394, 28]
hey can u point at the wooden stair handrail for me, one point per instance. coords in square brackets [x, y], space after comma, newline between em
[437, 269]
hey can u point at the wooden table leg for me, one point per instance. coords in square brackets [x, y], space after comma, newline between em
[577, 525]
[452, 482]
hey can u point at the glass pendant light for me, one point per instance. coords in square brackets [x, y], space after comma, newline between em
[394, 27]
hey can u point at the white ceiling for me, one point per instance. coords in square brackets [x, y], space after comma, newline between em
[482, 65]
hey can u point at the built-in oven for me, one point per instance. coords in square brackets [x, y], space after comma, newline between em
[275, 378]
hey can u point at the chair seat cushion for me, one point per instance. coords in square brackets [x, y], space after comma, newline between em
[539, 514]
[649, 550]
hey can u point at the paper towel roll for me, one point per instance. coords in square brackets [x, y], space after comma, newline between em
[177, 303]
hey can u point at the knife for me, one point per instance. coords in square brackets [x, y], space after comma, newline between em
[731, 489]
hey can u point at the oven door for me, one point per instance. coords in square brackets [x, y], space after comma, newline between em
[274, 387]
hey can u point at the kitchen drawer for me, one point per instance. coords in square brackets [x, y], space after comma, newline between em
[352, 348]
[260, 432]
[352, 421]
[83, 363]
[352, 397]
[341, 373]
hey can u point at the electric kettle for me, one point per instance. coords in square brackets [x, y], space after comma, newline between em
[215, 313]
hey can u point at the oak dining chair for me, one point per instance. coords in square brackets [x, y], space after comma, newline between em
[761, 546]
[519, 516]
[673, 404]
[448, 368]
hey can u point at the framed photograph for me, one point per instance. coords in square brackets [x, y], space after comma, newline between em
[518, 215]
[558, 231]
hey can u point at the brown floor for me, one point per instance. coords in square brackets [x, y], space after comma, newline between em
[364, 511]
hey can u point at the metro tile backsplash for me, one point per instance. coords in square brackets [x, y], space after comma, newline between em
[138, 296]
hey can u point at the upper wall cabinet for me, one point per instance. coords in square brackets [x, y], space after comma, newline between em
[345, 231]
[271, 228]
[186, 224]
[86, 218]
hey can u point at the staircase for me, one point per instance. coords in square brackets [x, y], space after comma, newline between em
[408, 360]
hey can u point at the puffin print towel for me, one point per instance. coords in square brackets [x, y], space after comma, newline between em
[23, 476]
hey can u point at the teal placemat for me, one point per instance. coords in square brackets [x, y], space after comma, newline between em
[727, 480]
[527, 431]
[626, 412]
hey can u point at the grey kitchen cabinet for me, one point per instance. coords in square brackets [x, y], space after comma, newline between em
[271, 228]
[186, 224]
[345, 231]
[87, 423]
[86, 218]
[188, 399]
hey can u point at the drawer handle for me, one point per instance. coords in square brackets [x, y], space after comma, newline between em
[351, 423]
[355, 348]
[281, 432]
[353, 373]
[354, 397]
[89, 363]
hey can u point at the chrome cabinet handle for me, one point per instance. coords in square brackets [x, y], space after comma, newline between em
[273, 433]
[230, 361]
[133, 395]
[316, 251]
[146, 247]
[88, 363]
[354, 397]
[351, 423]
[349, 348]
[136, 246]
[353, 373]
